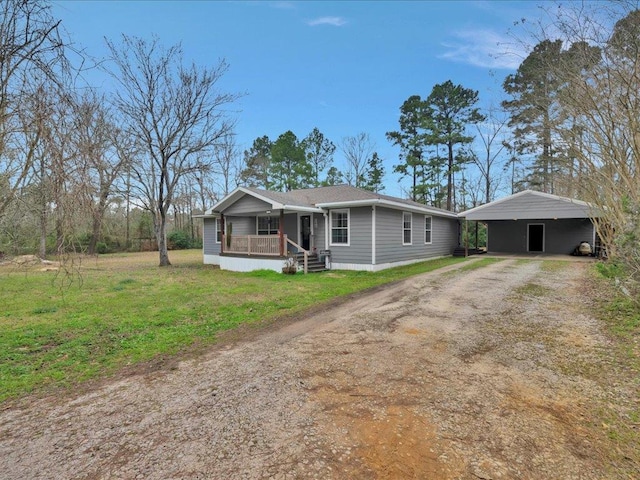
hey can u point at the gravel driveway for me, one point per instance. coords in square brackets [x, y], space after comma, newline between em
[453, 374]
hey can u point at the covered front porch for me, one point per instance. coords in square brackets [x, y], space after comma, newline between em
[267, 241]
[256, 229]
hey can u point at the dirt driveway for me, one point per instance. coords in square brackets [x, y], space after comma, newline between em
[456, 374]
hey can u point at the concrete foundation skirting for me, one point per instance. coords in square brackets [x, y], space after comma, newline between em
[249, 264]
[382, 266]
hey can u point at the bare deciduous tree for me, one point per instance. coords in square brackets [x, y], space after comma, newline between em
[491, 133]
[357, 150]
[227, 165]
[30, 46]
[99, 164]
[603, 103]
[174, 111]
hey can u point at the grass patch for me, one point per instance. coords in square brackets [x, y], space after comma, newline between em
[532, 289]
[128, 310]
[41, 310]
[620, 314]
[554, 265]
[485, 262]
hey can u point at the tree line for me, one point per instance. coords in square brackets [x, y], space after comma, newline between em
[288, 163]
[85, 169]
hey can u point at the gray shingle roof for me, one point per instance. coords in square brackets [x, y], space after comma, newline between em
[310, 197]
[530, 204]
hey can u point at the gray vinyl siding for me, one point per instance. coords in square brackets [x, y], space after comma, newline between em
[291, 227]
[530, 206]
[560, 236]
[209, 245]
[389, 238]
[241, 225]
[444, 235]
[359, 249]
[247, 204]
[318, 231]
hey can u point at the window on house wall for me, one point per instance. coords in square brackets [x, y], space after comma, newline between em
[427, 229]
[406, 228]
[339, 227]
[268, 225]
[218, 230]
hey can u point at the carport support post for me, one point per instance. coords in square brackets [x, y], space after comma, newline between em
[466, 237]
[476, 236]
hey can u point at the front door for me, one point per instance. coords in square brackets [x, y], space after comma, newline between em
[305, 231]
[535, 235]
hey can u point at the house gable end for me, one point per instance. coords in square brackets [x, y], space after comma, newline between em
[246, 205]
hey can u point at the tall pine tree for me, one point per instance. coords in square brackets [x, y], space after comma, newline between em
[289, 168]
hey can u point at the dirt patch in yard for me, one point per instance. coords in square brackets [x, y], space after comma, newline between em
[494, 373]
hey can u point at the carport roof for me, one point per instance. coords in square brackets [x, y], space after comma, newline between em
[530, 205]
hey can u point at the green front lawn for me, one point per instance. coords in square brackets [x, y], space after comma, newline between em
[122, 309]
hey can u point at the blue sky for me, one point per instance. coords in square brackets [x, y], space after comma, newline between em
[344, 67]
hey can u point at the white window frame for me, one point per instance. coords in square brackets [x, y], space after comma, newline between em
[217, 229]
[404, 229]
[331, 213]
[430, 230]
[258, 217]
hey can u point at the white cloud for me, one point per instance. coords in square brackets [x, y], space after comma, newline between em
[334, 21]
[486, 49]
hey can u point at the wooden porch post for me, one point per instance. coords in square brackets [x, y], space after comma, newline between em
[222, 233]
[281, 232]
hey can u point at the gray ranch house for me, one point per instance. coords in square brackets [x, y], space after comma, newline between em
[535, 222]
[346, 227]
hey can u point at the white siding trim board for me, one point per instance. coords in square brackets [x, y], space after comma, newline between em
[373, 235]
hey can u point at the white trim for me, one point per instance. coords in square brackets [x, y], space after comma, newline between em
[236, 195]
[231, 198]
[410, 228]
[373, 234]
[387, 203]
[297, 208]
[216, 229]
[430, 230]
[365, 267]
[326, 231]
[543, 237]
[340, 210]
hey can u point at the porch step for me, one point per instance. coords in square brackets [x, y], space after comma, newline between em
[313, 262]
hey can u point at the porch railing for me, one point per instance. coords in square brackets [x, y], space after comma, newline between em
[304, 252]
[253, 244]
